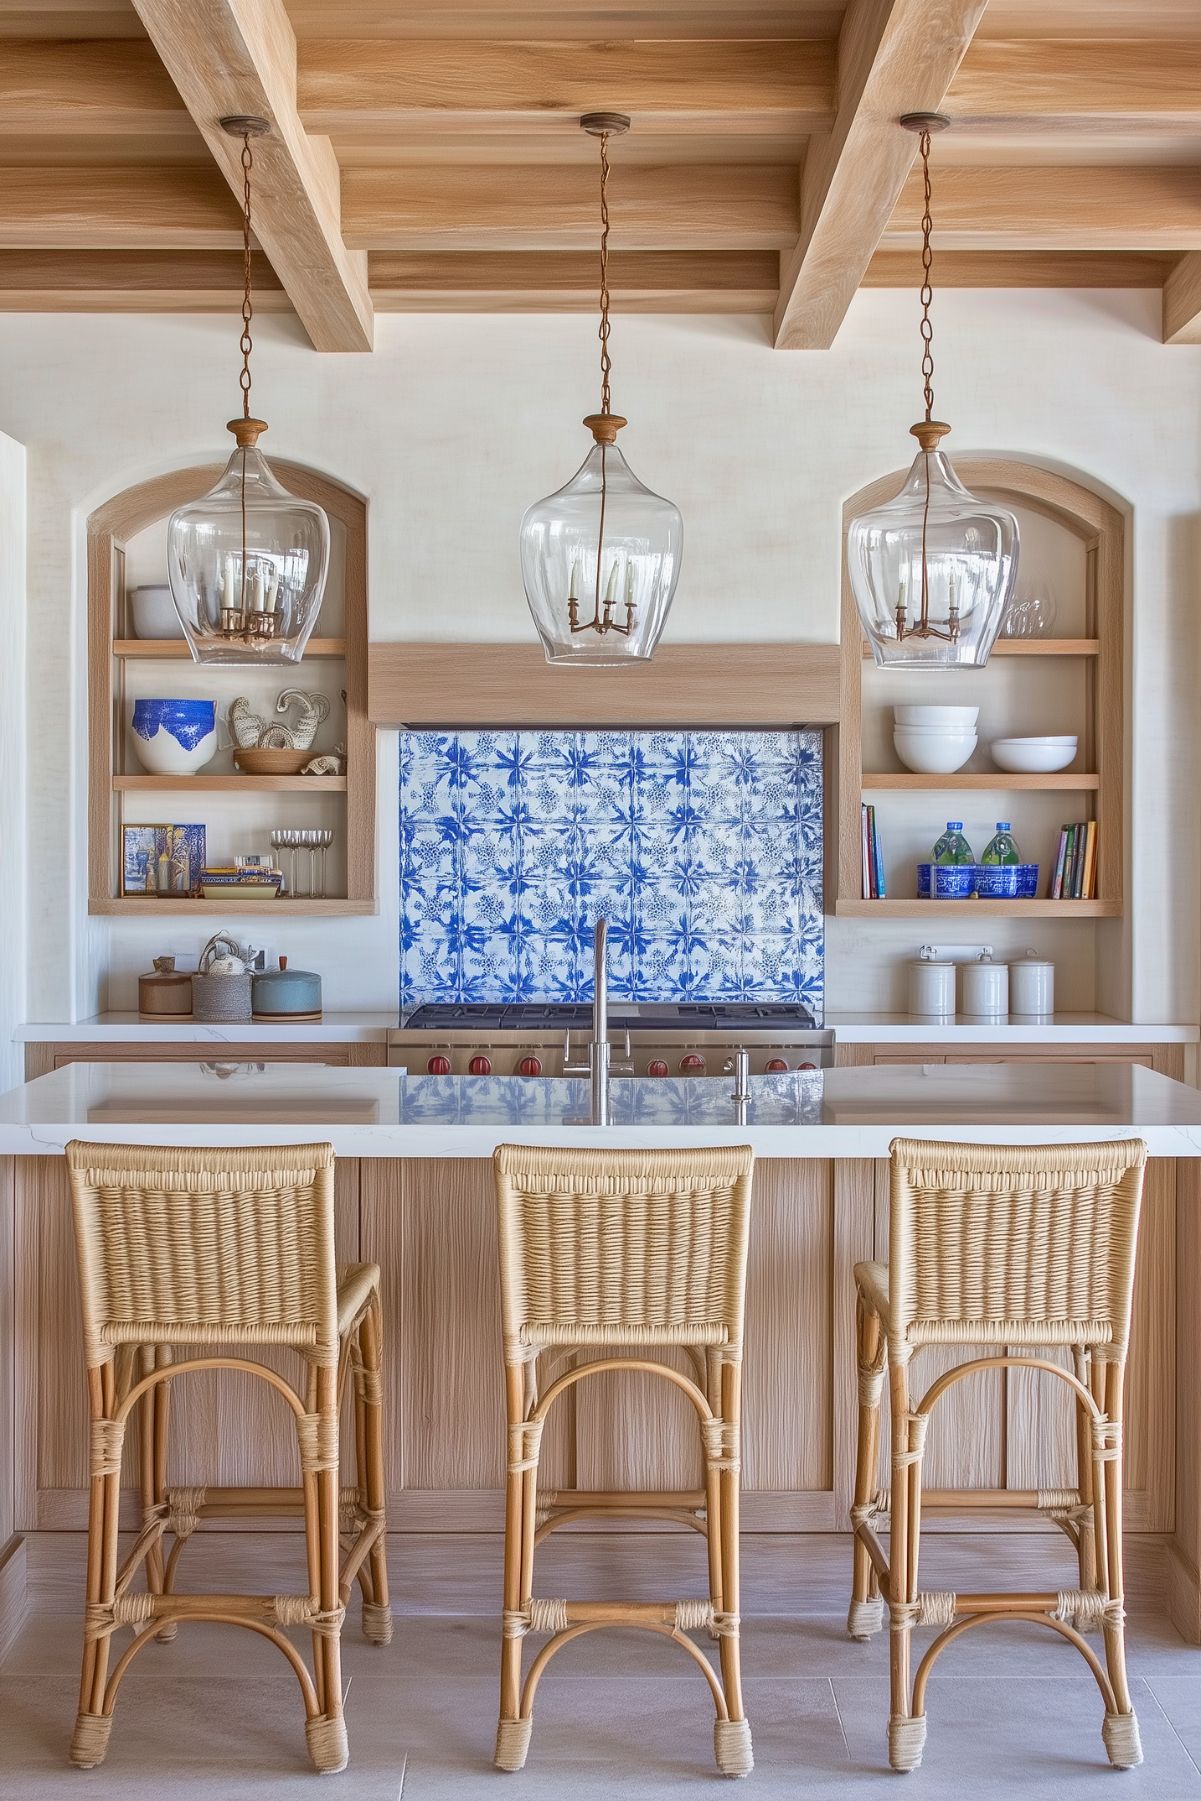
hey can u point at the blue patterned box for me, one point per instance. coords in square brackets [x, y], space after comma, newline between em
[702, 849]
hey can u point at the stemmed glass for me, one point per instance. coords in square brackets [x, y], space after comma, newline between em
[316, 840]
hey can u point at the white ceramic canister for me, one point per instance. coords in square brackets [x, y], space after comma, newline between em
[1032, 986]
[985, 993]
[931, 989]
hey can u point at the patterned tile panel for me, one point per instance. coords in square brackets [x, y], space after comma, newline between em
[702, 849]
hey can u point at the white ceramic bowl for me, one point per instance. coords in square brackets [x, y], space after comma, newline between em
[933, 753]
[152, 611]
[940, 718]
[1033, 756]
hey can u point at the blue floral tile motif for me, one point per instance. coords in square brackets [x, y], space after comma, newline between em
[703, 850]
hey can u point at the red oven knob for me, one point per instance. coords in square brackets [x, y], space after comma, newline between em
[692, 1065]
[530, 1066]
[774, 1065]
[806, 1065]
[480, 1066]
[656, 1067]
[438, 1066]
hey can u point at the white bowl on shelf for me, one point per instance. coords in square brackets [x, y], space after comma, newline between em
[1033, 756]
[933, 753]
[959, 719]
[153, 614]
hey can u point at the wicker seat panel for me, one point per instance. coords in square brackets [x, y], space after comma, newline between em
[623, 1247]
[1013, 1245]
[173, 1246]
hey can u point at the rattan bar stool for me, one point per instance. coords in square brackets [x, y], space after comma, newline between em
[1022, 1248]
[607, 1251]
[222, 1250]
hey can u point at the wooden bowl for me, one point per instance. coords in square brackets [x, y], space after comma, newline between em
[272, 762]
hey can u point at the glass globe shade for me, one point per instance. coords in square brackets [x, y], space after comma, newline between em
[600, 585]
[247, 563]
[967, 549]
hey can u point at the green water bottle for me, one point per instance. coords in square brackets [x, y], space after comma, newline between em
[1001, 850]
[952, 850]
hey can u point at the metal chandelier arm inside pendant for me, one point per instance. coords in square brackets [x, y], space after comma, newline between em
[604, 534]
[248, 561]
[932, 570]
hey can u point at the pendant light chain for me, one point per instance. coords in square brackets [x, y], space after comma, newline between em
[927, 295]
[606, 361]
[246, 342]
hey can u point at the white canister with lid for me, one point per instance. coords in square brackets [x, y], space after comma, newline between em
[931, 988]
[986, 989]
[1032, 986]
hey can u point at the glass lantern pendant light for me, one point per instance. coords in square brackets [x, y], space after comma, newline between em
[932, 569]
[600, 559]
[248, 560]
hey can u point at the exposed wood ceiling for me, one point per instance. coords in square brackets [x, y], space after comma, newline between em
[427, 154]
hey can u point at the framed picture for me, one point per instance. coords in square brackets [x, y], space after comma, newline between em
[144, 846]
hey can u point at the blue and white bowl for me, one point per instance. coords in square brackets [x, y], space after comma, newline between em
[1007, 881]
[174, 737]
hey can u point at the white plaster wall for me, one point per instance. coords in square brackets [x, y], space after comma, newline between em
[456, 423]
[13, 760]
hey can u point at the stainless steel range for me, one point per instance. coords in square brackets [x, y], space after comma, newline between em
[690, 1038]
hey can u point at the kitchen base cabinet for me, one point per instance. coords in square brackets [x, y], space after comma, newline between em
[41, 1058]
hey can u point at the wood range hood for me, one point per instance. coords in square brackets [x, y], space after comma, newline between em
[699, 685]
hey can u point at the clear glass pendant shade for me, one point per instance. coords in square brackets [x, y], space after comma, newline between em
[600, 560]
[247, 563]
[932, 570]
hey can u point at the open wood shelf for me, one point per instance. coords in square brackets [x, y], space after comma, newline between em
[117, 787]
[329, 906]
[231, 784]
[176, 650]
[1034, 647]
[976, 908]
[1000, 779]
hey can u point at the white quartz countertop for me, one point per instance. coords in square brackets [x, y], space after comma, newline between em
[386, 1113]
[367, 1027]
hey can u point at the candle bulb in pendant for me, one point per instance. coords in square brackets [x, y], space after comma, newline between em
[902, 603]
[610, 595]
[573, 585]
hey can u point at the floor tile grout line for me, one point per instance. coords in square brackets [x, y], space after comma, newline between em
[842, 1731]
[1171, 1724]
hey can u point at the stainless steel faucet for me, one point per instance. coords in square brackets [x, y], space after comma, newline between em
[600, 1065]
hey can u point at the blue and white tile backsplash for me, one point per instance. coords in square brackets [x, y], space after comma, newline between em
[702, 849]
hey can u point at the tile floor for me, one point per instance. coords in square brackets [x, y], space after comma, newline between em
[1013, 1713]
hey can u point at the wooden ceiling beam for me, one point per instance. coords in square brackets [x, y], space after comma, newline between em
[548, 207]
[1023, 269]
[566, 281]
[239, 56]
[108, 87]
[894, 56]
[430, 84]
[1182, 301]
[1059, 207]
[1029, 84]
[161, 206]
[133, 281]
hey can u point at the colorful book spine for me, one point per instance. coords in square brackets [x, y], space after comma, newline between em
[881, 883]
[865, 853]
[1055, 892]
[1089, 885]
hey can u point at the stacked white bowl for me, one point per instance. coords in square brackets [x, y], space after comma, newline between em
[934, 740]
[1033, 756]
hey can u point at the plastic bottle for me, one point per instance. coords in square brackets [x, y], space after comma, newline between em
[1001, 850]
[952, 850]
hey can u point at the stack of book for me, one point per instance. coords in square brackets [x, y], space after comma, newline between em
[231, 882]
[1075, 872]
[874, 885]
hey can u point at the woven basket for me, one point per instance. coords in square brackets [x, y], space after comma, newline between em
[220, 999]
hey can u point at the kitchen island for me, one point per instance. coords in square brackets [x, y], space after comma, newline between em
[414, 1194]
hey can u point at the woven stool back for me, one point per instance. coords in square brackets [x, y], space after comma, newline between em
[622, 1247]
[205, 1246]
[1032, 1245]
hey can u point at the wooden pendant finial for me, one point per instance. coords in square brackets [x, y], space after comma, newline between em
[247, 432]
